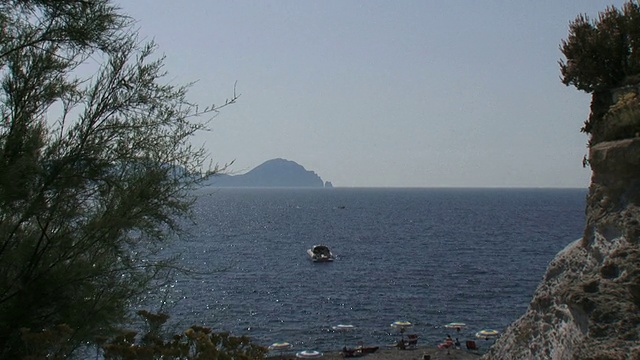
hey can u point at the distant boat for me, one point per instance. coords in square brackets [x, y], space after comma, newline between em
[320, 253]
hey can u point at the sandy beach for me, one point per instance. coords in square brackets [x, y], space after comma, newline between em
[395, 354]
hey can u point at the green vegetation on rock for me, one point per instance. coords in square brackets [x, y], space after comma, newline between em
[602, 56]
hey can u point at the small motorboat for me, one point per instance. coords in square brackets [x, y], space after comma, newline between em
[320, 253]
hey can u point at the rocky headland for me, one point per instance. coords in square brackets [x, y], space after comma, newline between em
[588, 304]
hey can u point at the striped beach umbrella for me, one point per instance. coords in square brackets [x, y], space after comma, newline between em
[487, 334]
[280, 346]
[455, 325]
[401, 324]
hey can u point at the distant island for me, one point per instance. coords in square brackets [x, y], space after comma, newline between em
[271, 173]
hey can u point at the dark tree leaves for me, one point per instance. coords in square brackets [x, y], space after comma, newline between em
[95, 167]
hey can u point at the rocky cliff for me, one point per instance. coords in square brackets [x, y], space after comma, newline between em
[588, 304]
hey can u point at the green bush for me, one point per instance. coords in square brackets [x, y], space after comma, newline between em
[603, 54]
[197, 342]
[623, 119]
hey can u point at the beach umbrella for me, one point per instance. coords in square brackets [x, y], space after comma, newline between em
[487, 334]
[280, 346]
[402, 326]
[455, 325]
[343, 328]
[308, 354]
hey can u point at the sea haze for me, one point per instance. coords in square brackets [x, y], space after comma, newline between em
[428, 256]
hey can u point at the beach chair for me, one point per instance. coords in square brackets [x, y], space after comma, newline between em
[471, 345]
[412, 340]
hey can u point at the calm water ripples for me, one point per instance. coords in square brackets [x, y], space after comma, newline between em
[428, 256]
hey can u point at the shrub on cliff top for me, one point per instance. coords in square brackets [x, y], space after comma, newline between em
[603, 54]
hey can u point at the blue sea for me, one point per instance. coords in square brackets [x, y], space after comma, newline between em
[427, 256]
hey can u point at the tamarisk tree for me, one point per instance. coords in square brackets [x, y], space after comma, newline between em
[94, 169]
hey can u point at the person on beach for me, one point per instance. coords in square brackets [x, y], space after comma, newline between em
[447, 344]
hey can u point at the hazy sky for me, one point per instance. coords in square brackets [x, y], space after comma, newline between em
[383, 93]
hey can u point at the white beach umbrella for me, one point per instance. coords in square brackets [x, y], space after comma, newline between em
[308, 354]
[343, 328]
[280, 346]
[402, 326]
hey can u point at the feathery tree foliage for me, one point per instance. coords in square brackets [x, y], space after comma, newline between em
[94, 169]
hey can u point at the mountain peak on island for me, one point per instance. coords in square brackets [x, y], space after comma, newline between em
[279, 163]
[272, 173]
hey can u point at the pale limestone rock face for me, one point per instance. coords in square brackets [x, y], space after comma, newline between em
[588, 304]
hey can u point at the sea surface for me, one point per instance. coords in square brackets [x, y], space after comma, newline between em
[427, 256]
